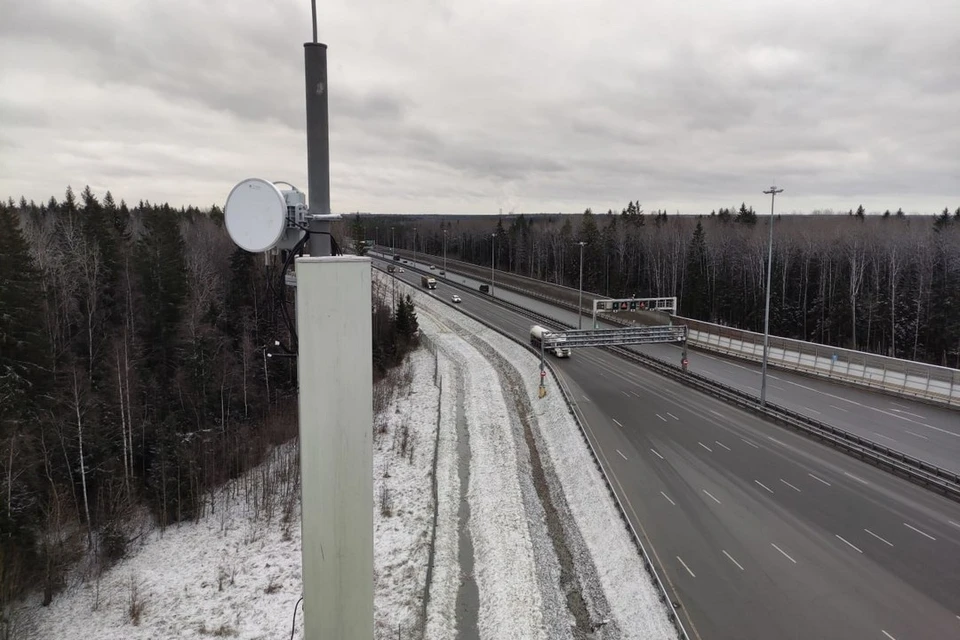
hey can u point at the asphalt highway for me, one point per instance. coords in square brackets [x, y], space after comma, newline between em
[922, 430]
[759, 532]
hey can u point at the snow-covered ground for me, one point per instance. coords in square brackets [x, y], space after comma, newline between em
[613, 581]
[236, 573]
[551, 558]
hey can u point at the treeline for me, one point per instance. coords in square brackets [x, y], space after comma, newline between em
[887, 283]
[135, 372]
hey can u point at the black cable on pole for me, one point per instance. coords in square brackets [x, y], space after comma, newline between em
[293, 627]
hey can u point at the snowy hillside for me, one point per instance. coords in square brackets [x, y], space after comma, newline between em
[491, 521]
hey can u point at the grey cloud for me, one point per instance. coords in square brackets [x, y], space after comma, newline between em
[453, 104]
[15, 115]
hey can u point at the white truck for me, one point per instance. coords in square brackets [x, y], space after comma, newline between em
[428, 282]
[536, 337]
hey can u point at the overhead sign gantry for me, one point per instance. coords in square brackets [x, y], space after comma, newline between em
[563, 341]
[666, 305]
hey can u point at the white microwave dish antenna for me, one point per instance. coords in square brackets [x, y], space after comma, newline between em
[255, 215]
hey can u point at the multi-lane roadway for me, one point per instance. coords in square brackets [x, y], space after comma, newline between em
[759, 532]
[921, 430]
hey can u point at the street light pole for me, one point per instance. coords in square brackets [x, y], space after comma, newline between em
[772, 191]
[393, 243]
[493, 259]
[444, 253]
[414, 247]
[580, 296]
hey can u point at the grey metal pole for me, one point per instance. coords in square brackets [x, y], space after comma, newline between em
[580, 296]
[318, 146]
[444, 253]
[493, 259]
[773, 191]
[393, 243]
[414, 247]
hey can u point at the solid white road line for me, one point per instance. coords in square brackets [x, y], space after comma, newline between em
[732, 560]
[847, 542]
[657, 454]
[705, 447]
[855, 477]
[661, 417]
[617, 422]
[764, 486]
[672, 416]
[712, 496]
[790, 485]
[819, 480]
[784, 553]
[692, 574]
[887, 634]
[908, 526]
[878, 537]
[723, 445]
[621, 455]
[916, 434]
[668, 498]
[750, 443]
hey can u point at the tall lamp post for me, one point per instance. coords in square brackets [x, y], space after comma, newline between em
[493, 259]
[580, 296]
[414, 247]
[393, 243]
[444, 253]
[772, 191]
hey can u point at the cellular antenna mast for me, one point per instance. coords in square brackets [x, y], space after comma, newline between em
[318, 143]
[335, 371]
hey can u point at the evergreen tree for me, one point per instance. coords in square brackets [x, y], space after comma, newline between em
[942, 220]
[746, 216]
[696, 295]
[886, 214]
[359, 234]
[161, 264]
[23, 352]
[239, 302]
[405, 320]
[900, 213]
[861, 212]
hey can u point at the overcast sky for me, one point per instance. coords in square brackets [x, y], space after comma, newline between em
[476, 105]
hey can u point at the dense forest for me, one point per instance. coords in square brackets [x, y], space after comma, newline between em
[887, 283]
[136, 373]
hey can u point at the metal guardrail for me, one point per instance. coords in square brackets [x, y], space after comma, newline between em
[909, 467]
[648, 561]
[894, 376]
